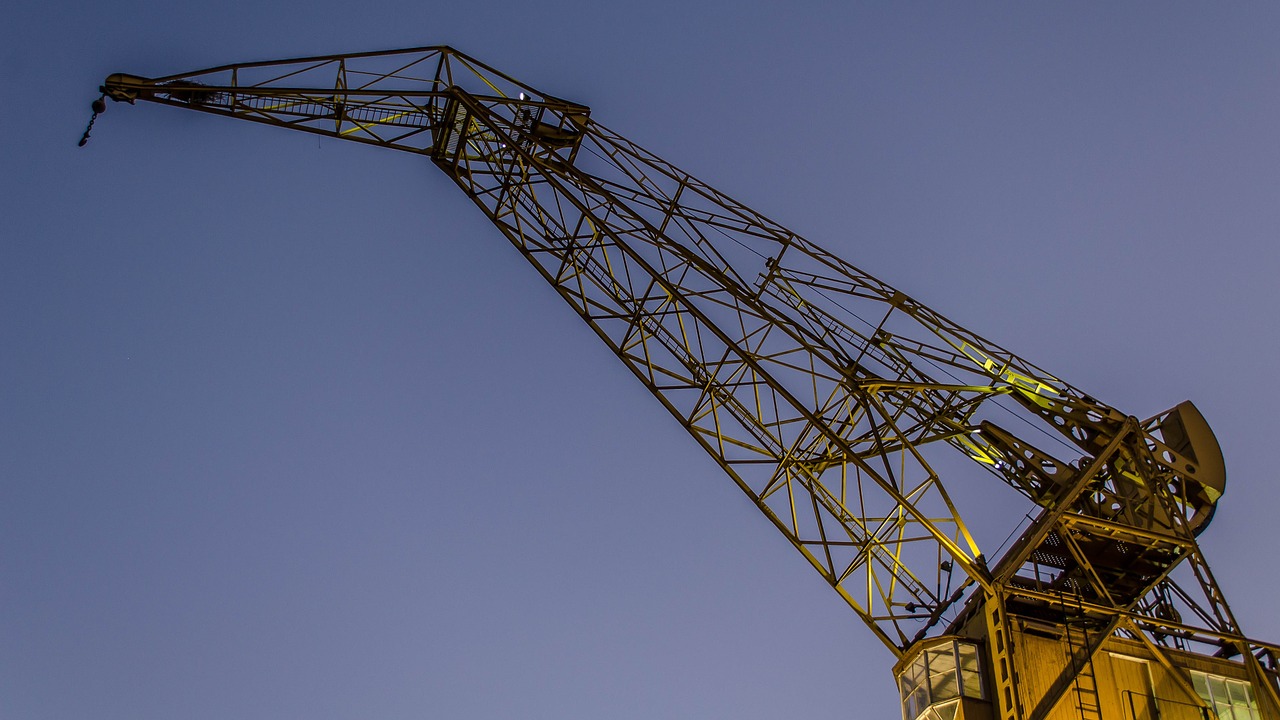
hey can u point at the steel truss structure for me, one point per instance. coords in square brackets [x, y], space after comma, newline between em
[829, 397]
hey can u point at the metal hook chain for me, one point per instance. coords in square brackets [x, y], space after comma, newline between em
[99, 107]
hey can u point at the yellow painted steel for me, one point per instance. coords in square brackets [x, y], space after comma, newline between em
[832, 400]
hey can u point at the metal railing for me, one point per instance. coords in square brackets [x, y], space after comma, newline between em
[1141, 706]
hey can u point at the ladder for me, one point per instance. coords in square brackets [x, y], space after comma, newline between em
[1080, 648]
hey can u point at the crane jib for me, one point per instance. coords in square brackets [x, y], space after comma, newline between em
[834, 401]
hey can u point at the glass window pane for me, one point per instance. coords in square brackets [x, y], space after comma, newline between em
[944, 687]
[1235, 692]
[941, 659]
[909, 709]
[943, 683]
[948, 711]
[919, 700]
[913, 676]
[914, 685]
[1242, 699]
[1218, 688]
[1201, 683]
[970, 676]
[968, 656]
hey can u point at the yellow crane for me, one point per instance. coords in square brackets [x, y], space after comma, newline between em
[832, 400]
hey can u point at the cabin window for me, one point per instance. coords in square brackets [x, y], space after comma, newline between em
[1232, 699]
[933, 684]
[970, 672]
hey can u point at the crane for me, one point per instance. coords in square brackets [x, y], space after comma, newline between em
[837, 403]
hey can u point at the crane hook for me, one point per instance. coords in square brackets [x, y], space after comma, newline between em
[99, 106]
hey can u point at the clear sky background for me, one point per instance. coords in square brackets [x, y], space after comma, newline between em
[287, 430]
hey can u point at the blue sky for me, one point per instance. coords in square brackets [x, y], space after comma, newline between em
[288, 431]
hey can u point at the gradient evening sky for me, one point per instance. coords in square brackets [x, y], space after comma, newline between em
[287, 430]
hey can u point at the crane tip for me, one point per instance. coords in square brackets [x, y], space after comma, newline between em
[123, 87]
